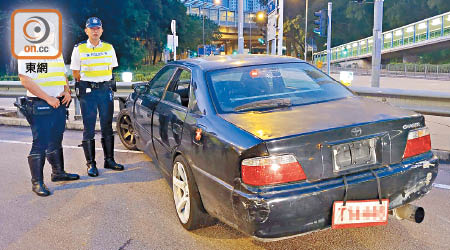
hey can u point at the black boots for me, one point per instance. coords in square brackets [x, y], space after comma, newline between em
[36, 163]
[108, 150]
[56, 159]
[89, 153]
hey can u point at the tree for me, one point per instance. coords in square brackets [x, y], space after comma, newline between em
[295, 35]
[124, 32]
[137, 28]
[193, 36]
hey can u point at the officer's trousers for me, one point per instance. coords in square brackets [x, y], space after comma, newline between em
[47, 129]
[101, 99]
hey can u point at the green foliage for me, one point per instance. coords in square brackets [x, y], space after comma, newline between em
[136, 28]
[9, 78]
[435, 57]
[193, 25]
[295, 35]
[440, 5]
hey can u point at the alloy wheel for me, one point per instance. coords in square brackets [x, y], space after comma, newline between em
[181, 192]
[127, 132]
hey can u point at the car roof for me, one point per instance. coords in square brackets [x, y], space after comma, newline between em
[222, 62]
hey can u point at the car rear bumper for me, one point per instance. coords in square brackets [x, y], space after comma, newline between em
[289, 210]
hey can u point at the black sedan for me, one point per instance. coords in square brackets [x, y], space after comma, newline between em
[275, 148]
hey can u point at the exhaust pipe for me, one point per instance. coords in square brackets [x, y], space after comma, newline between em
[409, 212]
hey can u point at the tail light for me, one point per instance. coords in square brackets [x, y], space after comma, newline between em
[418, 142]
[271, 170]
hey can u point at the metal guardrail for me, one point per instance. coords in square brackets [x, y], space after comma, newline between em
[425, 102]
[17, 84]
[14, 89]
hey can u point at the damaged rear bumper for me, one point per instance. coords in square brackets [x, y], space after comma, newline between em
[271, 213]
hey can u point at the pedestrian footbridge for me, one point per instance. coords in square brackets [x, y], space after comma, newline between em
[422, 36]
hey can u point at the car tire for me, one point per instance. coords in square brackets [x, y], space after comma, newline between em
[125, 130]
[188, 204]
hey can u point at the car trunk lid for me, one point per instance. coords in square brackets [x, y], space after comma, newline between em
[333, 138]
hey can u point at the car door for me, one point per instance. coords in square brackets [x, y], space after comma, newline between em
[169, 116]
[146, 102]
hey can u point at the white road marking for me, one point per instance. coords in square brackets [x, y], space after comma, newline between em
[73, 147]
[443, 186]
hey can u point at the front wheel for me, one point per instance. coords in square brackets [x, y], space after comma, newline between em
[188, 204]
[125, 130]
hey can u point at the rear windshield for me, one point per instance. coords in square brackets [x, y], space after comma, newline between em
[270, 86]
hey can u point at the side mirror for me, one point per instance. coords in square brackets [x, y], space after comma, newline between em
[141, 89]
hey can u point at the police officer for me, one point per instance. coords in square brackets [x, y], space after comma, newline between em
[92, 63]
[48, 96]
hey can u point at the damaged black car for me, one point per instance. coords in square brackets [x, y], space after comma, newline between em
[275, 148]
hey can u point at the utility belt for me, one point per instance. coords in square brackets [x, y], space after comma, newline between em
[84, 87]
[31, 106]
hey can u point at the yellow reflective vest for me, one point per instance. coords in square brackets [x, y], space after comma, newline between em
[96, 63]
[55, 75]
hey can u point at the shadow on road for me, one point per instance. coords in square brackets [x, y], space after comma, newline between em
[220, 231]
[143, 171]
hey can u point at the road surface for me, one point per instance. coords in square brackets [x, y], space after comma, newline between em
[133, 209]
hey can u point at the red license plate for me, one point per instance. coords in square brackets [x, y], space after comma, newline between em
[363, 213]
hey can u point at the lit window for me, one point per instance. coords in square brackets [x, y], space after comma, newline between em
[422, 26]
[436, 21]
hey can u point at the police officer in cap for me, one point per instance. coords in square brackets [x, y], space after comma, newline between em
[48, 96]
[92, 63]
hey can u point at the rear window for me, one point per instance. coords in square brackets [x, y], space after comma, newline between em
[270, 86]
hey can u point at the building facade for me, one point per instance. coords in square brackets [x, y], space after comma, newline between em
[226, 16]
[249, 5]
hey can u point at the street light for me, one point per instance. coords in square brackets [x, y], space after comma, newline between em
[203, 30]
[377, 34]
[252, 18]
[306, 30]
[260, 15]
[260, 19]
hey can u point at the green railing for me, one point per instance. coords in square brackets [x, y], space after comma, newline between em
[431, 28]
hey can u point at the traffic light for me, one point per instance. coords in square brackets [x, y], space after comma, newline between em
[321, 23]
[262, 32]
[192, 53]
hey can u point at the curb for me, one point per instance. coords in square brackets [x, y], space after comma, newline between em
[443, 155]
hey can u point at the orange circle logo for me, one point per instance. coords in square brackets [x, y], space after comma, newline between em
[37, 25]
